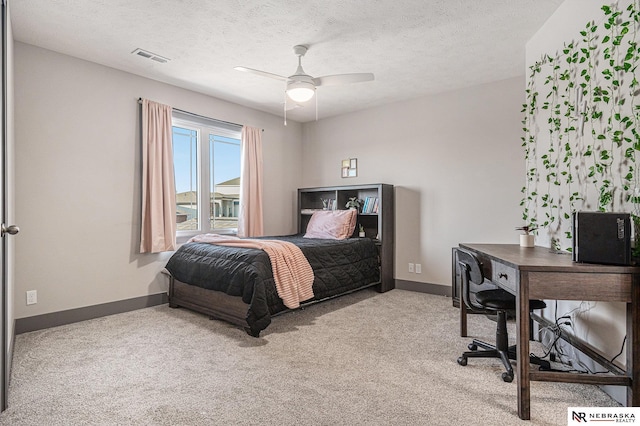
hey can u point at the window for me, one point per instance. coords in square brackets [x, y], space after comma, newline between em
[206, 158]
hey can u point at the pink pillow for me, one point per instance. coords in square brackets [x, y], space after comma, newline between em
[332, 224]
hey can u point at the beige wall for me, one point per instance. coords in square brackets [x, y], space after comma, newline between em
[78, 178]
[455, 159]
[77, 162]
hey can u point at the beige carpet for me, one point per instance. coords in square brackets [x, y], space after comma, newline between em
[363, 359]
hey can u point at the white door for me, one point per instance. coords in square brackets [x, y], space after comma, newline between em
[5, 230]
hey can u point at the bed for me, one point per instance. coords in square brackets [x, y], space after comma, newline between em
[237, 284]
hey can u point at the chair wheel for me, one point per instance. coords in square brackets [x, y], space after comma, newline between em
[506, 377]
[462, 360]
[473, 347]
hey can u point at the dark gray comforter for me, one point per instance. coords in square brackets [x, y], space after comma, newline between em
[339, 266]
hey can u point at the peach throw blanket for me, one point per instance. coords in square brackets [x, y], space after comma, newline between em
[291, 270]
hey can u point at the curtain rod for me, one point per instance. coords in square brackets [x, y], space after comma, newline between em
[202, 116]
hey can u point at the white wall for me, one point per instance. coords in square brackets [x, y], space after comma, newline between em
[602, 324]
[455, 159]
[563, 26]
[78, 178]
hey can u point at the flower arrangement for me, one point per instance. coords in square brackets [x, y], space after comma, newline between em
[353, 203]
[527, 239]
[527, 229]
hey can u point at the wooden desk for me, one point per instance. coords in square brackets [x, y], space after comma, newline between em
[538, 273]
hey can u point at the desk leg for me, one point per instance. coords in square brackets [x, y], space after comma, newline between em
[633, 340]
[522, 352]
[463, 318]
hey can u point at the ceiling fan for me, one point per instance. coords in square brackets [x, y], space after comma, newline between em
[301, 86]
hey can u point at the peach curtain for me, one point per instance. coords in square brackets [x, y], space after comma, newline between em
[158, 231]
[250, 222]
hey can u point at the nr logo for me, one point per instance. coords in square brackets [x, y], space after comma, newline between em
[579, 416]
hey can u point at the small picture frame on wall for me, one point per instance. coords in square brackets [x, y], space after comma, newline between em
[349, 167]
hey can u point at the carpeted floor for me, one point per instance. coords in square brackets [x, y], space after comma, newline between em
[363, 359]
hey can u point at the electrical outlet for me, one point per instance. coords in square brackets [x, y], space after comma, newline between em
[418, 268]
[411, 267]
[32, 297]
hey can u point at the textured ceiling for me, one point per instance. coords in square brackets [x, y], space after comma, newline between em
[414, 47]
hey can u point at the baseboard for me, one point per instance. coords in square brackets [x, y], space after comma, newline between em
[55, 319]
[441, 290]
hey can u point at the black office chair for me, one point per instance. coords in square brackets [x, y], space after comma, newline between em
[494, 301]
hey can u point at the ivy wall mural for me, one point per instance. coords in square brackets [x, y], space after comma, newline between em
[582, 127]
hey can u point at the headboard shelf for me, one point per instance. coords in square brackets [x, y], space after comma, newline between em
[377, 217]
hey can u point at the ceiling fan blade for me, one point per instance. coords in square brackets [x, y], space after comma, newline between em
[262, 73]
[333, 80]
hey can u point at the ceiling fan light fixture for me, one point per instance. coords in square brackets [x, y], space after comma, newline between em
[300, 91]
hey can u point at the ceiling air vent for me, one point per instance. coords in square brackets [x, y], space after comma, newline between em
[149, 55]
